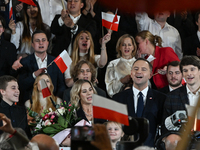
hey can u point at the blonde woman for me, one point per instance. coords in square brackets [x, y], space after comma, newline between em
[81, 96]
[40, 103]
[118, 73]
[83, 49]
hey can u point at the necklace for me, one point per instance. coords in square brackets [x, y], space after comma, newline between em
[89, 115]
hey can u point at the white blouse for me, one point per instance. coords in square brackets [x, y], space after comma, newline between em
[116, 70]
[16, 39]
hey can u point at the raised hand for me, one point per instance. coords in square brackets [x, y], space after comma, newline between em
[68, 21]
[39, 71]
[7, 126]
[64, 14]
[19, 7]
[12, 26]
[16, 65]
[106, 38]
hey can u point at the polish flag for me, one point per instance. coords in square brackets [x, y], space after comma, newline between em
[110, 21]
[45, 90]
[63, 61]
[190, 110]
[104, 108]
[10, 9]
[29, 2]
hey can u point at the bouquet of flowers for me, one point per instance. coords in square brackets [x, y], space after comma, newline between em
[51, 122]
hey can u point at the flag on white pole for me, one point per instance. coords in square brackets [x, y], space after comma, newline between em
[110, 21]
[63, 61]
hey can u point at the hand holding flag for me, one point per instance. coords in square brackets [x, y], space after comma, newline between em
[104, 108]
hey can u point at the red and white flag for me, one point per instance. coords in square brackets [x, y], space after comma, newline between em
[63, 61]
[45, 90]
[104, 108]
[10, 10]
[29, 2]
[110, 21]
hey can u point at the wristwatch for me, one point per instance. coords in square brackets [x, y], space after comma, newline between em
[74, 27]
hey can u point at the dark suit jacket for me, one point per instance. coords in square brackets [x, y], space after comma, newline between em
[176, 100]
[7, 57]
[63, 33]
[164, 90]
[152, 111]
[66, 95]
[26, 79]
[190, 45]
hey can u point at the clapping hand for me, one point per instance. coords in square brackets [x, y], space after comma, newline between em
[16, 65]
[7, 126]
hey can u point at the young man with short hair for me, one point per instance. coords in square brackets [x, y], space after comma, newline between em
[9, 94]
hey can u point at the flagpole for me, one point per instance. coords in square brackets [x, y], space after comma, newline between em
[50, 64]
[113, 19]
[63, 5]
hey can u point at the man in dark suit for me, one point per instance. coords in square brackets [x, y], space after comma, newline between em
[187, 94]
[67, 25]
[152, 101]
[174, 77]
[37, 63]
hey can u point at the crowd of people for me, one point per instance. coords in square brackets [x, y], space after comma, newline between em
[151, 64]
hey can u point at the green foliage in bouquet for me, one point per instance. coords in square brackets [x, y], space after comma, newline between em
[52, 122]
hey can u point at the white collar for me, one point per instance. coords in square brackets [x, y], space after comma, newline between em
[136, 91]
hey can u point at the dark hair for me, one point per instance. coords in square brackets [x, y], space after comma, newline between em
[154, 39]
[3, 22]
[150, 65]
[190, 60]
[4, 81]
[77, 70]
[173, 63]
[197, 16]
[38, 31]
[26, 36]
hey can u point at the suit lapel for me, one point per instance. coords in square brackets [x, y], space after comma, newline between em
[183, 96]
[34, 62]
[130, 103]
[149, 100]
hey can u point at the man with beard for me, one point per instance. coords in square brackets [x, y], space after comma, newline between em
[174, 77]
[176, 100]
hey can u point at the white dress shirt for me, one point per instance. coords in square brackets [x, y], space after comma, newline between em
[75, 20]
[40, 63]
[136, 96]
[50, 8]
[193, 98]
[170, 35]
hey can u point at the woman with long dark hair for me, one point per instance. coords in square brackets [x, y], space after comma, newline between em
[22, 31]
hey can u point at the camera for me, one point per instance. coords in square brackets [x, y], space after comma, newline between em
[81, 136]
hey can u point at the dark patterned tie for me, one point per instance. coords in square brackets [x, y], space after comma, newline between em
[140, 105]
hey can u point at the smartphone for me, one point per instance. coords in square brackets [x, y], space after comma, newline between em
[81, 136]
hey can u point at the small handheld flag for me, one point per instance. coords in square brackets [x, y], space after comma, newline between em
[110, 21]
[29, 2]
[10, 10]
[45, 90]
[104, 108]
[63, 61]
